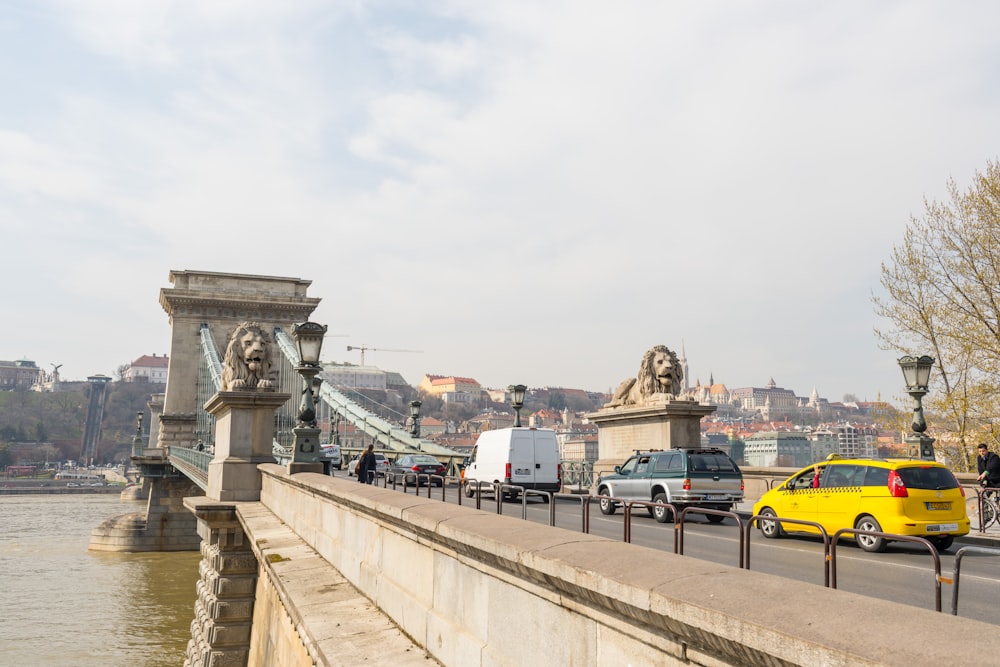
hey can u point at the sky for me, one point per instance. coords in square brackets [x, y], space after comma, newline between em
[528, 191]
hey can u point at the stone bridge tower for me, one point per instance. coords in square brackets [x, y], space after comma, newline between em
[221, 301]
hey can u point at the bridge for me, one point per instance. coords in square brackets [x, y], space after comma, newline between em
[337, 406]
[417, 580]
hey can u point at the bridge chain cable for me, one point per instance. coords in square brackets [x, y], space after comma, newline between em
[388, 435]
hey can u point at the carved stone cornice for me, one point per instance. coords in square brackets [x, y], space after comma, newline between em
[229, 296]
[236, 307]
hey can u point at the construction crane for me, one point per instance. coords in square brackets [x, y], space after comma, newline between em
[365, 348]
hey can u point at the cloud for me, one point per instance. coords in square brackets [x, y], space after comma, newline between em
[512, 187]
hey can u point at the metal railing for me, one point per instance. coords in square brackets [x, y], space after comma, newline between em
[957, 571]
[752, 521]
[191, 462]
[902, 538]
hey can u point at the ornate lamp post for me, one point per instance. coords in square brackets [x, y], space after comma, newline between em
[137, 439]
[917, 374]
[415, 417]
[308, 337]
[517, 400]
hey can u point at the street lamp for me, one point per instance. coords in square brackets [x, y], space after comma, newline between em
[308, 337]
[917, 374]
[415, 416]
[517, 400]
[137, 440]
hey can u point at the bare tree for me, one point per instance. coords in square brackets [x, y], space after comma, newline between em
[943, 298]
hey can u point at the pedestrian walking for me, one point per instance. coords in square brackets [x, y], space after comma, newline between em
[366, 466]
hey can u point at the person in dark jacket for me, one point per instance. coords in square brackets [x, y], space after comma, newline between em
[988, 465]
[366, 465]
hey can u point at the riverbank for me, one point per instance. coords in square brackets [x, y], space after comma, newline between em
[19, 487]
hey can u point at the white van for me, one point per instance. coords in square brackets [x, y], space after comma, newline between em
[525, 457]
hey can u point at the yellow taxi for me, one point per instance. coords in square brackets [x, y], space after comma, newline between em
[896, 496]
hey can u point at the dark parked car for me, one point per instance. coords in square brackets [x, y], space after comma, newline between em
[413, 468]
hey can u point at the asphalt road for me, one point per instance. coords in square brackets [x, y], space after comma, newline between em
[904, 573]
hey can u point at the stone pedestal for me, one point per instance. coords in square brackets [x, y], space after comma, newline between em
[305, 457]
[220, 633]
[662, 424]
[244, 438]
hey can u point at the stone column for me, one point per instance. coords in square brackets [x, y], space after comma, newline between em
[662, 424]
[244, 438]
[220, 632]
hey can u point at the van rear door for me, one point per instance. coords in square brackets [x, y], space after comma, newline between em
[546, 461]
[522, 458]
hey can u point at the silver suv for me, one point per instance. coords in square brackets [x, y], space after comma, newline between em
[682, 477]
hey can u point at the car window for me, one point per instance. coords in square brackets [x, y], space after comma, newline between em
[423, 460]
[667, 462]
[804, 480]
[628, 466]
[712, 462]
[642, 465]
[843, 475]
[927, 477]
[876, 476]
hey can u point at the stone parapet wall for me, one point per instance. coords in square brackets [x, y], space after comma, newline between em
[475, 588]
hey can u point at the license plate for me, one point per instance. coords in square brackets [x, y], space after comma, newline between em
[716, 498]
[939, 506]
[941, 528]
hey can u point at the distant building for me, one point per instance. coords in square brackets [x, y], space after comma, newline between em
[148, 369]
[775, 449]
[431, 427]
[824, 442]
[856, 441]
[451, 389]
[20, 375]
[579, 447]
[355, 377]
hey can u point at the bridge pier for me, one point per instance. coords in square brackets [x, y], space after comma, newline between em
[220, 632]
[166, 525]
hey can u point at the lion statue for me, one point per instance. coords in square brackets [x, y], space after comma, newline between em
[660, 374]
[247, 365]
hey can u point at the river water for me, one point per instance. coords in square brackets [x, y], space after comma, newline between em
[64, 606]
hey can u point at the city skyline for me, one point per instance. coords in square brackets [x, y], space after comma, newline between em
[523, 192]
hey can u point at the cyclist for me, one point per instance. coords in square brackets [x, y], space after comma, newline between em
[988, 465]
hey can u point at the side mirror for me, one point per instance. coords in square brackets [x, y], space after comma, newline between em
[618, 469]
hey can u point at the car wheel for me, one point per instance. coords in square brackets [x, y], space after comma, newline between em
[942, 542]
[870, 543]
[715, 518]
[662, 514]
[470, 490]
[769, 529]
[607, 506]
